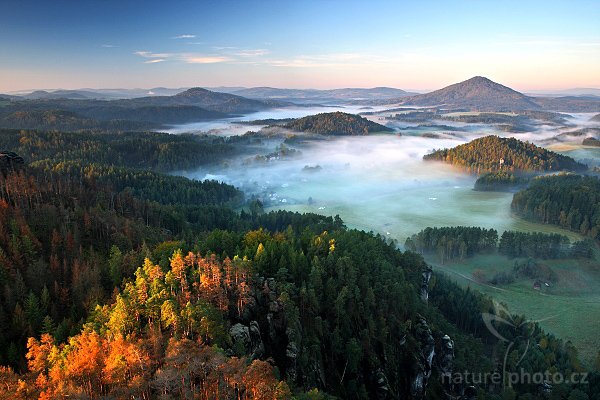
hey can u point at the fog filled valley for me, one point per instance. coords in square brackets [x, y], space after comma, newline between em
[381, 182]
[300, 244]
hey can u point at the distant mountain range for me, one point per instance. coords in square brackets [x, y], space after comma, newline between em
[192, 105]
[478, 93]
[61, 94]
[316, 95]
[67, 109]
[94, 94]
[257, 93]
[482, 94]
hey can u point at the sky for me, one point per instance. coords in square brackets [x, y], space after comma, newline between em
[418, 45]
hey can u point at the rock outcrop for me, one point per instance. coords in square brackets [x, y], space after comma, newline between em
[10, 161]
[384, 392]
[264, 330]
[424, 360]
[247, 339]
[445, 363]
[425, 283]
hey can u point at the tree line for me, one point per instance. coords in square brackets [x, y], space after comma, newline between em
[155, 151]
[459, 242]
[567, 200]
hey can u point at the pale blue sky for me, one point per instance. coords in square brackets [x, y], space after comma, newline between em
[411, 45]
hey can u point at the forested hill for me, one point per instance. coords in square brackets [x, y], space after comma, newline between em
[478, 93]
[336, 123]
[570, 201]
[142, 150]
[192, 105]
[486, 154]
[65, 121]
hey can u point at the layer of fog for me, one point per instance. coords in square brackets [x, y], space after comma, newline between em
[231, 126]
[377, 183]
[380, 182]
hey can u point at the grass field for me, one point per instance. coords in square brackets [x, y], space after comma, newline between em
[570, 309]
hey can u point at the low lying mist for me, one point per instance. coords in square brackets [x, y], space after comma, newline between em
[377, 183]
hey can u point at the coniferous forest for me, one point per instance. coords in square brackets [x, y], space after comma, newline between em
[494, 153]
[120, 281]
[570, 201]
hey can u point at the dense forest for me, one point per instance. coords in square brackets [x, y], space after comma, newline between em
[451, 243]
[141, 150]
[498, 181]
[118, 281]
[494, 153]
[534, 244]
[567, 200]
[114, 305]
[336, 123]
[454, 243]
[64, 121]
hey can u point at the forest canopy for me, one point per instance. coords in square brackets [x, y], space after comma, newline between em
[336, 123]
[567, 200]
[494, 153]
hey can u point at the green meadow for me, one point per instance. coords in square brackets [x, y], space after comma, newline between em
[570, 308]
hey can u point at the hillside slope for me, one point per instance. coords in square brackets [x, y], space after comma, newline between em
[477, 93]
[494, 153]
[336, 123]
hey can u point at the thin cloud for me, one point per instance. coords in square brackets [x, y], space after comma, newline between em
[199, 59]
[225, 47]
[108, 46]
[184, 36]
[149, 54]
[240, 52]
[252, 53]
[323, 60]
[228, 54]
[188, 58]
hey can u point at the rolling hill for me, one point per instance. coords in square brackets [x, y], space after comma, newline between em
[336, 123]
[65, 121]
[60, 94]
[494, 153]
